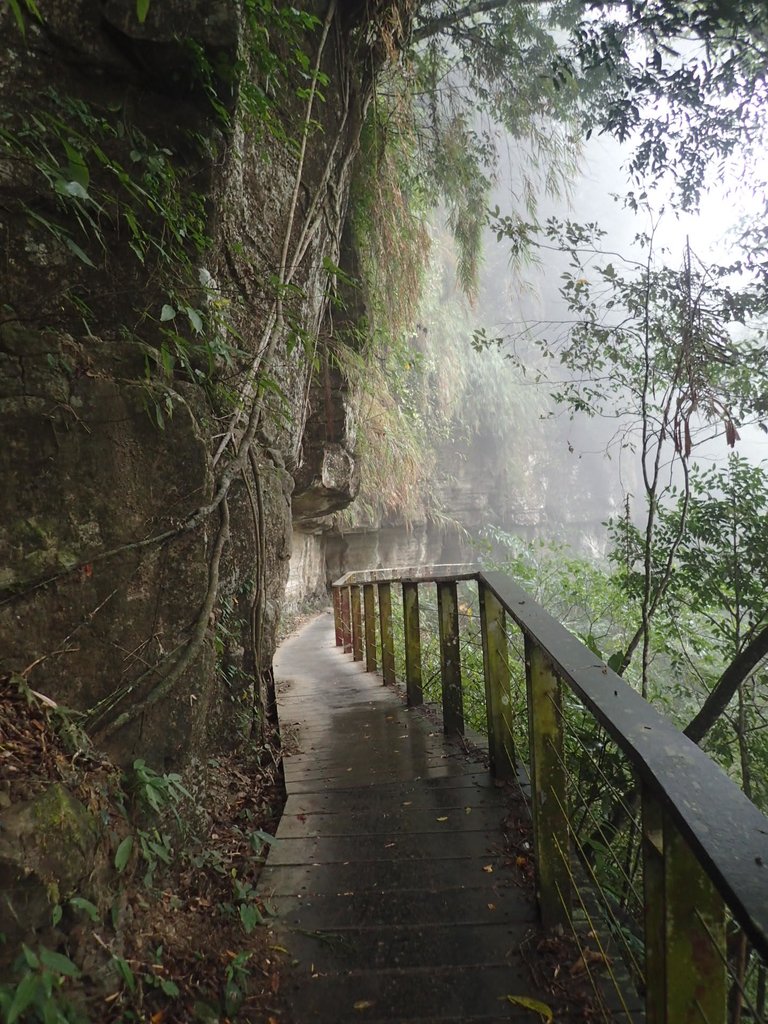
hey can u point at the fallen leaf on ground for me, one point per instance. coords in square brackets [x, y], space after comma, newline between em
[527, 1003]
[588, 956]
[442, 819]
[488, 868]
[363, 1004]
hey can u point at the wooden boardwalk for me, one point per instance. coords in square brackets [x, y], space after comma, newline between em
[388, 878]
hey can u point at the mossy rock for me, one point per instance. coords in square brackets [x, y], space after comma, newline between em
[47, 849]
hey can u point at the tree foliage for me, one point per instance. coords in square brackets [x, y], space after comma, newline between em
[685, 82]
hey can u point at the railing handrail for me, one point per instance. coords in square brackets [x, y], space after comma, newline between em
[413, 573]
[727, 833]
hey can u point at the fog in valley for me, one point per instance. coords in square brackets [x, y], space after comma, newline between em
[581, 467]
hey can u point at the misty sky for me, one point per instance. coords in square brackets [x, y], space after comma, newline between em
[710, 232]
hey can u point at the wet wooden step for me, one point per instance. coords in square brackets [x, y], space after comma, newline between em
[383, 876]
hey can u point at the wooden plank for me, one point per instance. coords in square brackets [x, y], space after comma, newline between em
[338, 630]
[450, 658]
[374, 779]
[417, 945]
[387, 876]
[422, 573]
[370, 908]
[551, 834]
[346, 619]
[387, 638]
[451, 994]
[501, 747]
[400, 821]
[357, 624]
[391, 847]
[466, 790]
[412, 644]
[653, 910]
[369, 602]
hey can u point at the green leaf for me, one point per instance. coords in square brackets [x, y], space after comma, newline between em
[153, 798]
[527, 1003]
[591, 643]
[615, 661]
[71, 188]
[126, 973]
[19, 16]
[123, 853]
[195, 319]
[169, 987]
[58, 962]
[25, 993]
[30, 957]
[56, 914]
[166, 313]
[175, 780]
[265, 837]
[75, 248]
[54, 1013]
[78, 168]
[142, 9]
[83, 904]
[250, 916]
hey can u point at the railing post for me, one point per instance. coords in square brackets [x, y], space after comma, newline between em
[412, 644]
[346, 619]
[501, 747]
[548, 789]
[387, 640]
[653, 893]
[450, 659]
[685, 952]
[336, 594]
[369, 600]
[357, 624]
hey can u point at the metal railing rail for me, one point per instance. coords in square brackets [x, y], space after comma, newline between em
[704, 844]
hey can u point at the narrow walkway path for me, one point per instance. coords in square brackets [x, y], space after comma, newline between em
[388, 877]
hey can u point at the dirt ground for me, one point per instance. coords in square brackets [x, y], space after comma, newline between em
[174, 947]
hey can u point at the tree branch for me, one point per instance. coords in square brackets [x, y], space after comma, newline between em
[450, 18]
[742, 665]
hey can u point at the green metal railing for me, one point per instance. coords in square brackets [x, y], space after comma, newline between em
[641, 841]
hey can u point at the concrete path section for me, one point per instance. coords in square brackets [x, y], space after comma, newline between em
[387, 879]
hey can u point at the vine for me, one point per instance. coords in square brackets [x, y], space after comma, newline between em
[244, 456]
[103, 186]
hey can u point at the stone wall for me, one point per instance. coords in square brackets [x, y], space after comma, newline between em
[142, 566]
[307, 574]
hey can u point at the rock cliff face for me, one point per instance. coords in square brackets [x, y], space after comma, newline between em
[547, 493]
[171, 203]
